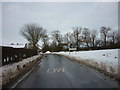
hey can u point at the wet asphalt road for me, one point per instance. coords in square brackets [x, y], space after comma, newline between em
[59, 72]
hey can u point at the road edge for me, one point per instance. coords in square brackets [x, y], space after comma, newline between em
[22, 73]
[111, 75]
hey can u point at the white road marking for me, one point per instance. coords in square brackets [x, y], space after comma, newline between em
[59, 69]
[53, 70]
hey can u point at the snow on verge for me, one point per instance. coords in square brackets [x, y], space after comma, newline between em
[10, 71]
[103, 59]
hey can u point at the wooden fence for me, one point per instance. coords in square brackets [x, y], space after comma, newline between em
[11, 55]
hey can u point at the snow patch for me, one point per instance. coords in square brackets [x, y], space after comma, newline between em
[12, 70]
[15, 46]
[106, 59]
[48, 52]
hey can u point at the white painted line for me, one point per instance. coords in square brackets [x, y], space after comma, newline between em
[53, 70]
[41, 61]
[23, 77]
[59, 69]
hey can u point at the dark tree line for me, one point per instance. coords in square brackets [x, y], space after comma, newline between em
[80, 38]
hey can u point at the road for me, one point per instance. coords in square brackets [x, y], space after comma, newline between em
[59, 72]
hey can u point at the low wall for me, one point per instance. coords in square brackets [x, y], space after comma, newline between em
[12, 55]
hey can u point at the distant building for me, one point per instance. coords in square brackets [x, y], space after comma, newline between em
[28, 46]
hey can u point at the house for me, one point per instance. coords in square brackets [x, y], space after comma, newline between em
[28, 46]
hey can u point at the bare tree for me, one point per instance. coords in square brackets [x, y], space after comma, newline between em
[76, 34]
[57, 38]
[67, 38]
[45, 40]
[99, 43]
[93, 37]
[104, 33]
[45, 37]
[113, 36]
[86, 36]
[32, 33]
[72, 39]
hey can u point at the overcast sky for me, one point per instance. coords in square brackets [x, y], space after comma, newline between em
[56, 16]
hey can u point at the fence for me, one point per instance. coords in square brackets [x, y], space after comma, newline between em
[11, 55]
